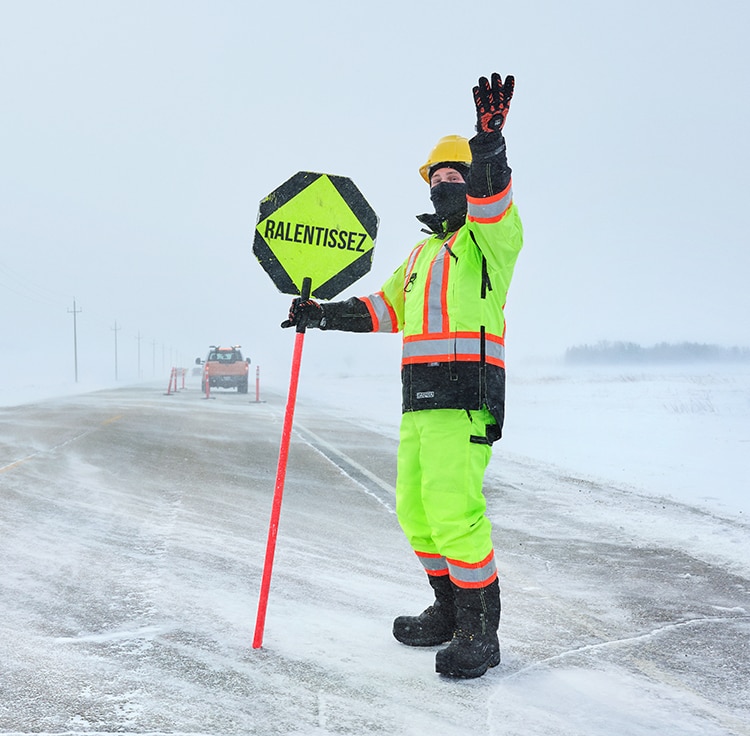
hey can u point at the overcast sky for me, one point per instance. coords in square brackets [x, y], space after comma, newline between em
[139, 137]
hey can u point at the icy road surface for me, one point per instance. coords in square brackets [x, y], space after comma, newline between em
[133, 530]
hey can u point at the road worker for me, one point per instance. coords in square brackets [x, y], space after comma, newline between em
[447, 299]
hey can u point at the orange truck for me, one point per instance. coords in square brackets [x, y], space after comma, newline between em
[225, 368]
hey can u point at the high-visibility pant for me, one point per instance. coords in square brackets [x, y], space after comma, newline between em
[442, 458]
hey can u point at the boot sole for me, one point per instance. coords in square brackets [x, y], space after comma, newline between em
[424, 642]
[493, 661]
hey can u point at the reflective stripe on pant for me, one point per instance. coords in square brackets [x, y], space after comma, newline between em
[439, 499]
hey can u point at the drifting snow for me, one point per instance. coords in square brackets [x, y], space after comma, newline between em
[133, 536]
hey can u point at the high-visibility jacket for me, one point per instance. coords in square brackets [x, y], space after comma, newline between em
[448, 298]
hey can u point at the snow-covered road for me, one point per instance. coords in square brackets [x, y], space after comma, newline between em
[132, 535]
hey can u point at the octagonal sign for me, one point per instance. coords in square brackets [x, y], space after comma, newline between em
[316, 226]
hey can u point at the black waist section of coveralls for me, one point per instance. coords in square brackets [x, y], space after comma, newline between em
[467, 385]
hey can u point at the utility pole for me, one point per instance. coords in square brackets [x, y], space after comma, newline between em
[139, 354]
[74, 312]
[116, 330]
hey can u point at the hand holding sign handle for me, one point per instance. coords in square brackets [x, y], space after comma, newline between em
[286, 434]
[306, 312]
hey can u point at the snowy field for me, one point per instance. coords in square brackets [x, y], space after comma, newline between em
[134, 525]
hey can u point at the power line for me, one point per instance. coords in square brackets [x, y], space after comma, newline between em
[21, 286]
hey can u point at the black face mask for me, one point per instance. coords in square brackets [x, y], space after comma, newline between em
[449, 200]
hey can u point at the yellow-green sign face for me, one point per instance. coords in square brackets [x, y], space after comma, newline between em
[315, 226]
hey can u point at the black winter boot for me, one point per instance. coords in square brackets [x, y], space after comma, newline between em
[474, 647]
[435, 624]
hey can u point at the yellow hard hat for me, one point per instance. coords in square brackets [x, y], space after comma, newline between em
[450, 148]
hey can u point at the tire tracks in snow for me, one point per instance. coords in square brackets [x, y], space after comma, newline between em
[370, 483]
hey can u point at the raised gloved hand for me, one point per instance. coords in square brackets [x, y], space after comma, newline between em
[304, 312]
[492, 99]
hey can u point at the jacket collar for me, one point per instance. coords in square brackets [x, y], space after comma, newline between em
[440, 227]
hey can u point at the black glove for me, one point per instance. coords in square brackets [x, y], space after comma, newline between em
[493, 102]
[305, 312]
